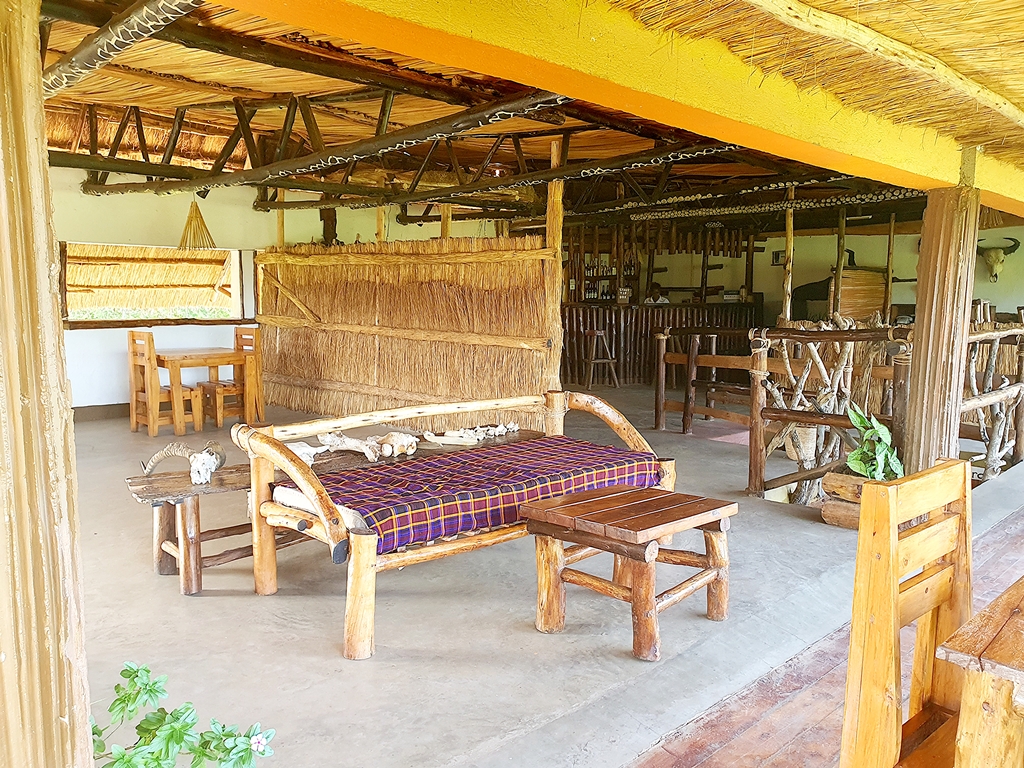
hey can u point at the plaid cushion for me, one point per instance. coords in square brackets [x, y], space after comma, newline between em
[430, 497]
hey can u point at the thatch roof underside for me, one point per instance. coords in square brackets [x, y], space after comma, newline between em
[981, 41]
[129, 277]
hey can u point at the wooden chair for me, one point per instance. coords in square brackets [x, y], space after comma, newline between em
[227, 398]
[145, 392]
[913, 563]
[592, 359]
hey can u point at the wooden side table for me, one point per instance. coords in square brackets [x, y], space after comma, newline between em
[631, 523]
[990, 648]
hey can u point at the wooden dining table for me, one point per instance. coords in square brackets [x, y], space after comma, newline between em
[990, 648]
[213, 358]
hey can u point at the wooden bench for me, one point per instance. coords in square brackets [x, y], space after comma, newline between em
[322, 520]
[177, 531]
[629, 522]
[990, 649]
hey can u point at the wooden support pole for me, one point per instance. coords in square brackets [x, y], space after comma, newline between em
[553, 273]
[758, 398]
[748, 280]
[1018, 412]
[787, 276]
[382, 224]
[44, 695]
[661, 341]
[690, 385]
[900, 395]
[837, 282]
[280, 220]
[945, 283]
[889, 255]
[446, 221]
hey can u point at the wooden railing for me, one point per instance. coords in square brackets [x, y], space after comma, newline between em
[630, 333]
[997, 406]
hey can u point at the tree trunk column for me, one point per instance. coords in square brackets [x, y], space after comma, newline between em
[44, 708]
[945, 283]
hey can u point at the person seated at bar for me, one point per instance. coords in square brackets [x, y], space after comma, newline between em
[655, 296]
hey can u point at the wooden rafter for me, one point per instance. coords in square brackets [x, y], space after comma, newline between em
[493, 112]
[139, 22]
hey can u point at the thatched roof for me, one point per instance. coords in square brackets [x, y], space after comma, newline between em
[863, 53]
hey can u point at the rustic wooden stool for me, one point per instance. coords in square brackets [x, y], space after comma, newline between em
[592, 359]
[629, 522]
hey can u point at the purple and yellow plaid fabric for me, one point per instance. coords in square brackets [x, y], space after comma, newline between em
[428, 498]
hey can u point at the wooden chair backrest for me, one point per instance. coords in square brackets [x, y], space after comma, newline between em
[920, 573]
[247, 339]
[141, 360]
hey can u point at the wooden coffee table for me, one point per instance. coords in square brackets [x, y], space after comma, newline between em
[631, 523]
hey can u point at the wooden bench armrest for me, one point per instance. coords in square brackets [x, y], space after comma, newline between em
[630, 435]
[262, 446]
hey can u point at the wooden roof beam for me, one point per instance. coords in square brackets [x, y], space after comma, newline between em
[657, 156]
[140, 21]
[514, 106]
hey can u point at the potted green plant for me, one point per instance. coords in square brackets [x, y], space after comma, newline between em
[163, 739]
[874, 458]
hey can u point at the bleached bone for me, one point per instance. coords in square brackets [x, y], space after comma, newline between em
[396, 443]
[336, 441]
[448, 439]
[203, 463]
[306, 452]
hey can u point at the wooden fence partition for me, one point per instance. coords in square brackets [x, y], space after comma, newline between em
[357, 328]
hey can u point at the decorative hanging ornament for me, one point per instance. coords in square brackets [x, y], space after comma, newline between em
[195, 234]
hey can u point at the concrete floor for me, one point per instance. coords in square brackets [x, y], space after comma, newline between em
[461, 677]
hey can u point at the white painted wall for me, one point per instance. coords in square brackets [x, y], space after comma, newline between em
[98, 359]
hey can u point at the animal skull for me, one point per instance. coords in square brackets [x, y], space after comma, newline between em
[203, 463]
[995, 258]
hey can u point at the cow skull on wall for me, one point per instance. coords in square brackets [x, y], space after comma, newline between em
[995, 258]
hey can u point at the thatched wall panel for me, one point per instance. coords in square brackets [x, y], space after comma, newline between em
[357, 328]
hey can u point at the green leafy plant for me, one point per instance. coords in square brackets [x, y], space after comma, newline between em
[875, 457]
[163, 737]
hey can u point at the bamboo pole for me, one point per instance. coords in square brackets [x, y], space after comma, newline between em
[44, 696]
[382, 224]
[787, 277]
[837, 282]
[446, 221]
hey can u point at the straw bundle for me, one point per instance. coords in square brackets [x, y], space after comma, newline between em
[196, 235]
[361, 327]
[862, 294]
[871, 82]
[126, 277]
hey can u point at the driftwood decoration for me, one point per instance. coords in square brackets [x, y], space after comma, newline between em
[995, 404]
[379, 325]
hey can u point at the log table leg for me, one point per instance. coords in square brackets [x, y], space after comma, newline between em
[716, 546]
[990, 733]
[163, 530]
[360, 595]
[190, 553]
[622, 571]
[550, 587]
[646, 635]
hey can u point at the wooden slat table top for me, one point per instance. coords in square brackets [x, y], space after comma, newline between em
[993, 641]
[174, 486]
[202, 356]
[627, 513]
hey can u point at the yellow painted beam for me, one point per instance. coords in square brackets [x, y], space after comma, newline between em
[587, 50]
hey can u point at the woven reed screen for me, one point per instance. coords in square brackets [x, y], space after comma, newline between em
[356, 328]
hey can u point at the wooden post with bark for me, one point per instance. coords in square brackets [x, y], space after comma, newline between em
[889, 255]
[758, 397]
[690, 385]
[837, 281]
[661, 345]
[787, 277]
[44, 694]
[945, 282]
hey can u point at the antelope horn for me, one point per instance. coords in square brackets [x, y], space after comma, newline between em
[217, 450]
[171, 449]
[1012, 248]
